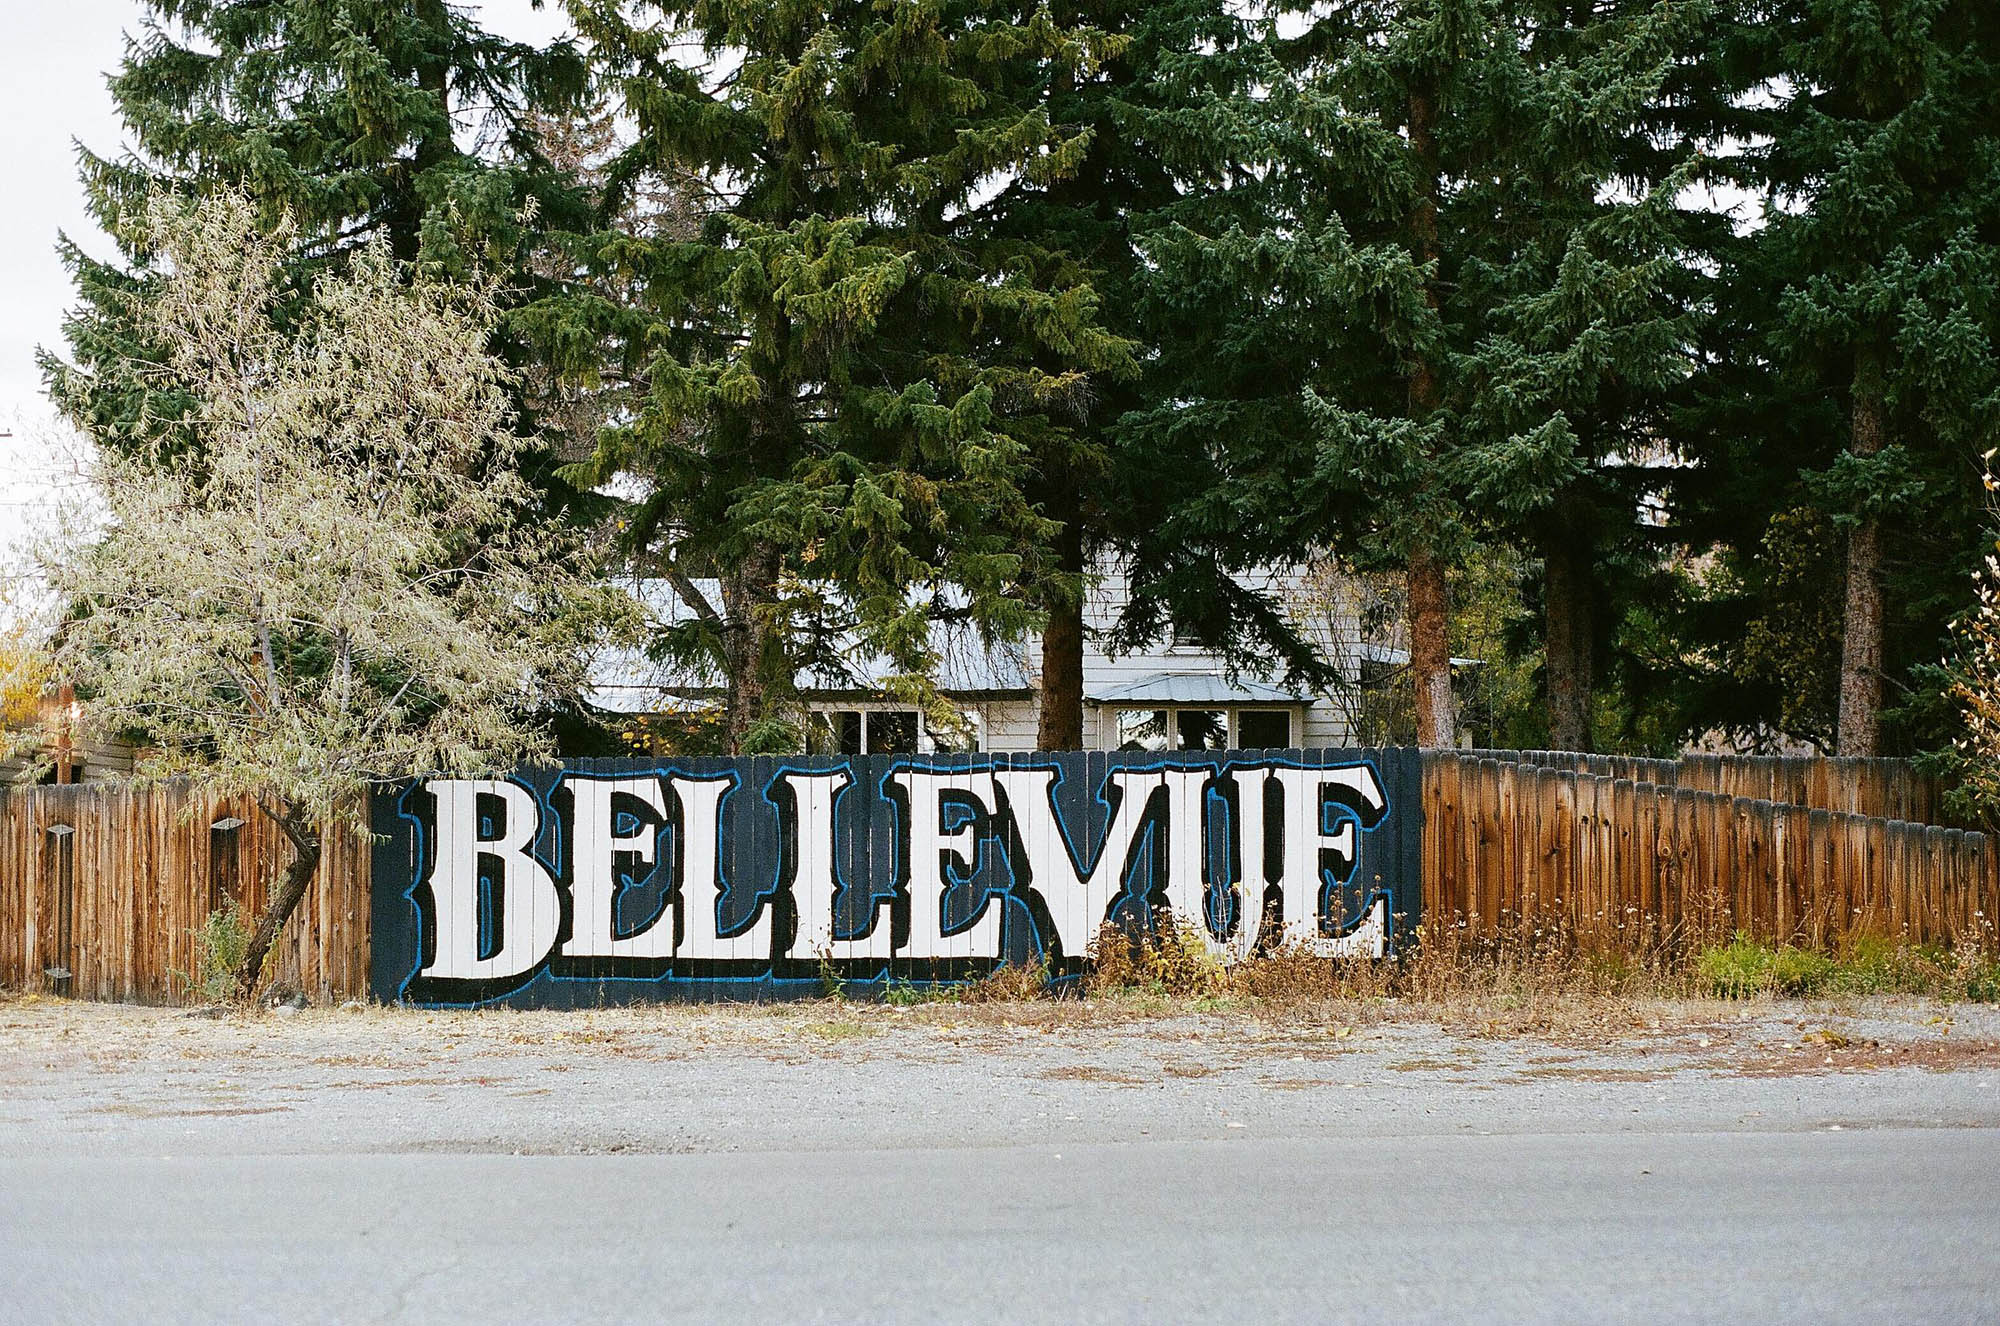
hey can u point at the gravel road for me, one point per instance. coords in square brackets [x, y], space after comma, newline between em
[1031, 1162]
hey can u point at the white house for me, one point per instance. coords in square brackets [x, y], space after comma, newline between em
[1166, 697]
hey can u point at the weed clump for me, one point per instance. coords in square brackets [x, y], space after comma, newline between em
[1171, 959]
[1744, 967]
[219, 945]
[1861, 964]
[1009, 983]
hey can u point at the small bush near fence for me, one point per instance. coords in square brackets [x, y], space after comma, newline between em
[219, 945]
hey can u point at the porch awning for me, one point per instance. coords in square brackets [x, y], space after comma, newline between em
[1206, 688]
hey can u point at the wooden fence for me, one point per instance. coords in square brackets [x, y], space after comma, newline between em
[1542, 835]
[1883, 789]
[102, 885]
[106, 883]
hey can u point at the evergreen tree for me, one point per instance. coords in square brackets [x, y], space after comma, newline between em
[397, 120]
[1860, 375]
[1149, 153]
[1585, 303]
[1199, 482]
[847, 393]
[1439, 297]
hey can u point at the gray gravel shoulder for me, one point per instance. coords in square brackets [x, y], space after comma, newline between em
[112, 1080]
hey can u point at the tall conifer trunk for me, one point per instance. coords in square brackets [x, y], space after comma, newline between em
[1429, 599]
[1568, 627]
[406, 219]
[1860, 727]
[1061, 721]
[749, 643]
[1430, 651]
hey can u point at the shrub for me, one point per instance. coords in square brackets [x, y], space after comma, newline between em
[1799, 972]
[1978, 980]
[219, 945]
[1169, 959]
[1746, 966]
[1735, 970]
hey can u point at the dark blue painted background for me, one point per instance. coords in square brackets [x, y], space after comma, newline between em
[758, 860]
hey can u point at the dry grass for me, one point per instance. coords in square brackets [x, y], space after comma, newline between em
[1170, 960]
[1009, 983]
[1527, 977]
[1532, 979]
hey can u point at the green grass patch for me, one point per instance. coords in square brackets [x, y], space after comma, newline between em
[1744, 967]
[1863, 965]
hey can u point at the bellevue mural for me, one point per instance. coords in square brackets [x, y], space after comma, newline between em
[614, 881]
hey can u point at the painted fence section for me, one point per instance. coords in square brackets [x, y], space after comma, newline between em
[101, 885]
[607, 881]
[1505, 840]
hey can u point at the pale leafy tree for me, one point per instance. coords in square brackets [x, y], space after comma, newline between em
[1975, 681]
[23, 676]
[327, 572]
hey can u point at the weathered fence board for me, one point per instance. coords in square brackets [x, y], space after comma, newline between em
[1668, 853]
[1877, 788]
[107, 882]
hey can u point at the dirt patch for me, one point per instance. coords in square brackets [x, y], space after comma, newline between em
[215, 1112]
[1428, 1066]
[1294, 1083]
[1582, 1073]
[1812, 1058]
[1092, 1073]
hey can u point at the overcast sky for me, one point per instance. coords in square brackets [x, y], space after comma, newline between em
[58, 52]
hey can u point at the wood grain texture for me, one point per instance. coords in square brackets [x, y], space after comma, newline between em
[144, 873]
[1808, 850]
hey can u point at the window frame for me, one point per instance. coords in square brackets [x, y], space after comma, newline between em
[926, 739]
[1108, 716]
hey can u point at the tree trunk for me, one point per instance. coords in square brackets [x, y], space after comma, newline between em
[1430, 652]
[1860, 727]
[1430, 613]
[298, 878]
[406, 213]
[1061, 721]
[1568, 629]
[749, 641]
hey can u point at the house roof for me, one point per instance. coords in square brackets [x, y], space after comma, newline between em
[1391, 656]
[626, 681]
[1194, 688]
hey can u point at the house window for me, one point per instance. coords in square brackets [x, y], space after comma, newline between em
[865, 731]
[1263, 729]
[835, 732]
[892, 731]
[1142, 729]
[1200, 728]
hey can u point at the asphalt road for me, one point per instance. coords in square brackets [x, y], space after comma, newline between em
[1826, 1225]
